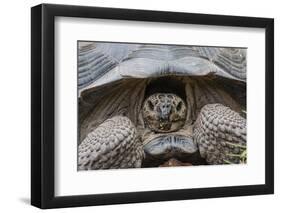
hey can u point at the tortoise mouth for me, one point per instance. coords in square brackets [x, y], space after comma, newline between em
[165, 125]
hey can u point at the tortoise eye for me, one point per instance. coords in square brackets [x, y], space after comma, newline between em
[179, 106]
[150, 105]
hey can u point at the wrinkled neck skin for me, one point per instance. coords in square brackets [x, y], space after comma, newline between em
[146, 135]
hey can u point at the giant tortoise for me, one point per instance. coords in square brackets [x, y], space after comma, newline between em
[141, 105]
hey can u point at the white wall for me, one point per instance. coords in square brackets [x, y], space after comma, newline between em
[15, 104]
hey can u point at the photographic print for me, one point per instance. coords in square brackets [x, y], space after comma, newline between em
[109, 96]
[159, 105]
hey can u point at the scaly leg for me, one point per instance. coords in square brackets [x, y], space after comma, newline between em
[113, 144]
[220, 134]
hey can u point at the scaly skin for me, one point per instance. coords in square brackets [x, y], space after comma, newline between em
[220, 134]
[113, 144]
[164, 112]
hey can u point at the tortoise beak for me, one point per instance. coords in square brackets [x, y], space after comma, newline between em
[165, 125]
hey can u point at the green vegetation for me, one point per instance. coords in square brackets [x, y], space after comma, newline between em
[242, 156]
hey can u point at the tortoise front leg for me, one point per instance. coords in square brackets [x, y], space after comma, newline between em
[113, 144]
[220, 134]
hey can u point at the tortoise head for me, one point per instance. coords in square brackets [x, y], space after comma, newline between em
[164, 112]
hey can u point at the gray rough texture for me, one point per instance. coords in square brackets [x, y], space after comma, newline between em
[114, 144]
[103, 63]
[216, 128]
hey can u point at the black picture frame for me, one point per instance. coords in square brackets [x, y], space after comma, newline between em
[43, 102]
